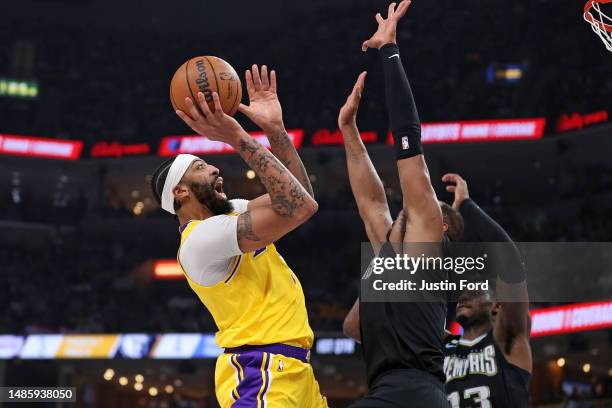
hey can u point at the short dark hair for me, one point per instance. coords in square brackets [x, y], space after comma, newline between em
[159, 179]
[454, 220]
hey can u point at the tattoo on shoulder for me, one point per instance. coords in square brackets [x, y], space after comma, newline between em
[245, 227]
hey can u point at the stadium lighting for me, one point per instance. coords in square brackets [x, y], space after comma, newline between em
[178, 382]
[169, 389]
[138, 208]
[139, 378]
[109, 374]
[586, 368]
[561, 362]
[123, 381]
[167, 269]
[250, 174]
[138, 386]
[16, 88]
[610, 372]
[153, 391]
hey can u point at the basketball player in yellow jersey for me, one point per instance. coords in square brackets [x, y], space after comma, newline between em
[228, 256]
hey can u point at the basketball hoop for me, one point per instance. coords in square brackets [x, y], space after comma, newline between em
[599, 21]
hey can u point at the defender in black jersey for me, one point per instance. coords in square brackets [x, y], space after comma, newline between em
[490, 365]
[402, 341]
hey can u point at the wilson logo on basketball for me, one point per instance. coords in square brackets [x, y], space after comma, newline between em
[206, 74]
[226, 76]
[202, 81]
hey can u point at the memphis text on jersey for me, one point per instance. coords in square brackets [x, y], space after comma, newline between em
[476, 363]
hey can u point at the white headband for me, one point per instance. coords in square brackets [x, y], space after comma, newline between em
[179, 166]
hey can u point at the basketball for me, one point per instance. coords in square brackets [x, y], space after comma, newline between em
[206, 74]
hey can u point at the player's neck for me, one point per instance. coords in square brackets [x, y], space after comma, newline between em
[476, 331]
[186, 214]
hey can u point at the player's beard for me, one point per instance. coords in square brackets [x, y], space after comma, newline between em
[477, 318]
[206, 195]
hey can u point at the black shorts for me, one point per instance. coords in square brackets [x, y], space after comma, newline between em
[405, 388]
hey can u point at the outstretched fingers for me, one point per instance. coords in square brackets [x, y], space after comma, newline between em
[256, 78]
[391, 10]
[192, 109]
[402, 8]
[366, 44]
[265, 82]
[273, 81]
[358, 88]
[204, 106]
[249, 83]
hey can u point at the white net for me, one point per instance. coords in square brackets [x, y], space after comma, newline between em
[600, 22]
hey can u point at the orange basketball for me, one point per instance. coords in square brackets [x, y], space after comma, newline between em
[207, 75]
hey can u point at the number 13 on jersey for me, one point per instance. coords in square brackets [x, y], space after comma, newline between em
[479, 395]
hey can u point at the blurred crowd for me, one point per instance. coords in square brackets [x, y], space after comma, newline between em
[113, 85]
[86, 273]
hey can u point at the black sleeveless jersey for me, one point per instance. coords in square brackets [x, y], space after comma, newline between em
[479, 376]
[403, 335]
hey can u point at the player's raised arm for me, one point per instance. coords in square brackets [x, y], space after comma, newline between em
[265, 111]
[419, 199]
[350, 326]
[512, 325]
[290, 204]
[366, 185]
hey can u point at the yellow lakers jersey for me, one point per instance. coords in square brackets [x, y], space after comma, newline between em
[259, 302]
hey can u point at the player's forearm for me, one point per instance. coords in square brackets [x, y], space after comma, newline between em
[350, 326]
[514, 318]
[404, 119]
[288, 197]
[487, 229]
[508, 260]
[285, 151]
[365, 183]
[419, 198]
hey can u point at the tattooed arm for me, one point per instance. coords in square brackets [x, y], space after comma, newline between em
[284, 149]
[290, 204]
[365, 183]
[265, 111]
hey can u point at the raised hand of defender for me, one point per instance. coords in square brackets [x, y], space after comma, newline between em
[387, 28]
[215, 126]
[460, 188]
[348, 112]
[264, 108]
